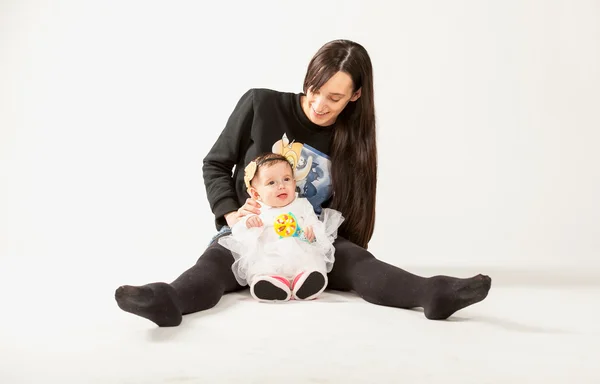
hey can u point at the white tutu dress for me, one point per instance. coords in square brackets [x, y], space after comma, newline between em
[280, 247]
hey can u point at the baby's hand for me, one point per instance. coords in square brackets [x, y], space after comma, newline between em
[254, 221]
[308, 232]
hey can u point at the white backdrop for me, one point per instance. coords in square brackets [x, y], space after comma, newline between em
[488, 127]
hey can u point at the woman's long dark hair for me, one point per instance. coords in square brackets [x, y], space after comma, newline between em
[354, 147]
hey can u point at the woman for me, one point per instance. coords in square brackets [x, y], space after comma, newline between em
[328, 133]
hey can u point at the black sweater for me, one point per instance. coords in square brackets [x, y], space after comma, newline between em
[267, 121]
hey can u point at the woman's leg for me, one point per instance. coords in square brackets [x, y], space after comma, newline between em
[356, 269]
[199, 288]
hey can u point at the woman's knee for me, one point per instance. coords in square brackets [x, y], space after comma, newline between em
[348, 252]
[211, 273]
[349, 260]
[216, 255]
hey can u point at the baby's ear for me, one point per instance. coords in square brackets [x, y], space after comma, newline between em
[253, 193]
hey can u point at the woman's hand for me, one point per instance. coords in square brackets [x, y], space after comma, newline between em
[250, 207]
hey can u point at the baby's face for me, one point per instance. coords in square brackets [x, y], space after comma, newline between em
[275, 184]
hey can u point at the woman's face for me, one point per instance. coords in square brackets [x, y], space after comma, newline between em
[323, 106]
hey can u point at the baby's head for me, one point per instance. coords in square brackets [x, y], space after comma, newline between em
[270, 179]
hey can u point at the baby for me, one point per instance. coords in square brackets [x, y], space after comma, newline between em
[286, 251]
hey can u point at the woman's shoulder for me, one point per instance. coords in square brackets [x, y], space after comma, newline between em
[269, 96]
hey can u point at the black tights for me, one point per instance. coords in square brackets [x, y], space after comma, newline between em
[355, 269]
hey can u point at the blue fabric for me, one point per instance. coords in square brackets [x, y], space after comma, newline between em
[224, 231]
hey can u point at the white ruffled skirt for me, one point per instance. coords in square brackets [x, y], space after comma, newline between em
[260, 251]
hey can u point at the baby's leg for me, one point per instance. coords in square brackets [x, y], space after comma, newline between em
[268, 281]
[310, 281]
[270, 288]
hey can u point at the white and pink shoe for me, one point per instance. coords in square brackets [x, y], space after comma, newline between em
[308, 285]
[270, 288]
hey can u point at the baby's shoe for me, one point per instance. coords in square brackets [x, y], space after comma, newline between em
[270, 288]
[308, 285]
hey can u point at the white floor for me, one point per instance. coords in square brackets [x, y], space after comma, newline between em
[535, 334]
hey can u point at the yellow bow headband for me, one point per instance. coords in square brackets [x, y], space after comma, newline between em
[249, 173]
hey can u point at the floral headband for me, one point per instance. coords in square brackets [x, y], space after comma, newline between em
[252, 167]
[249, 173]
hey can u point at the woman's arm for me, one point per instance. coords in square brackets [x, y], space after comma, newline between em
[226, 152]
